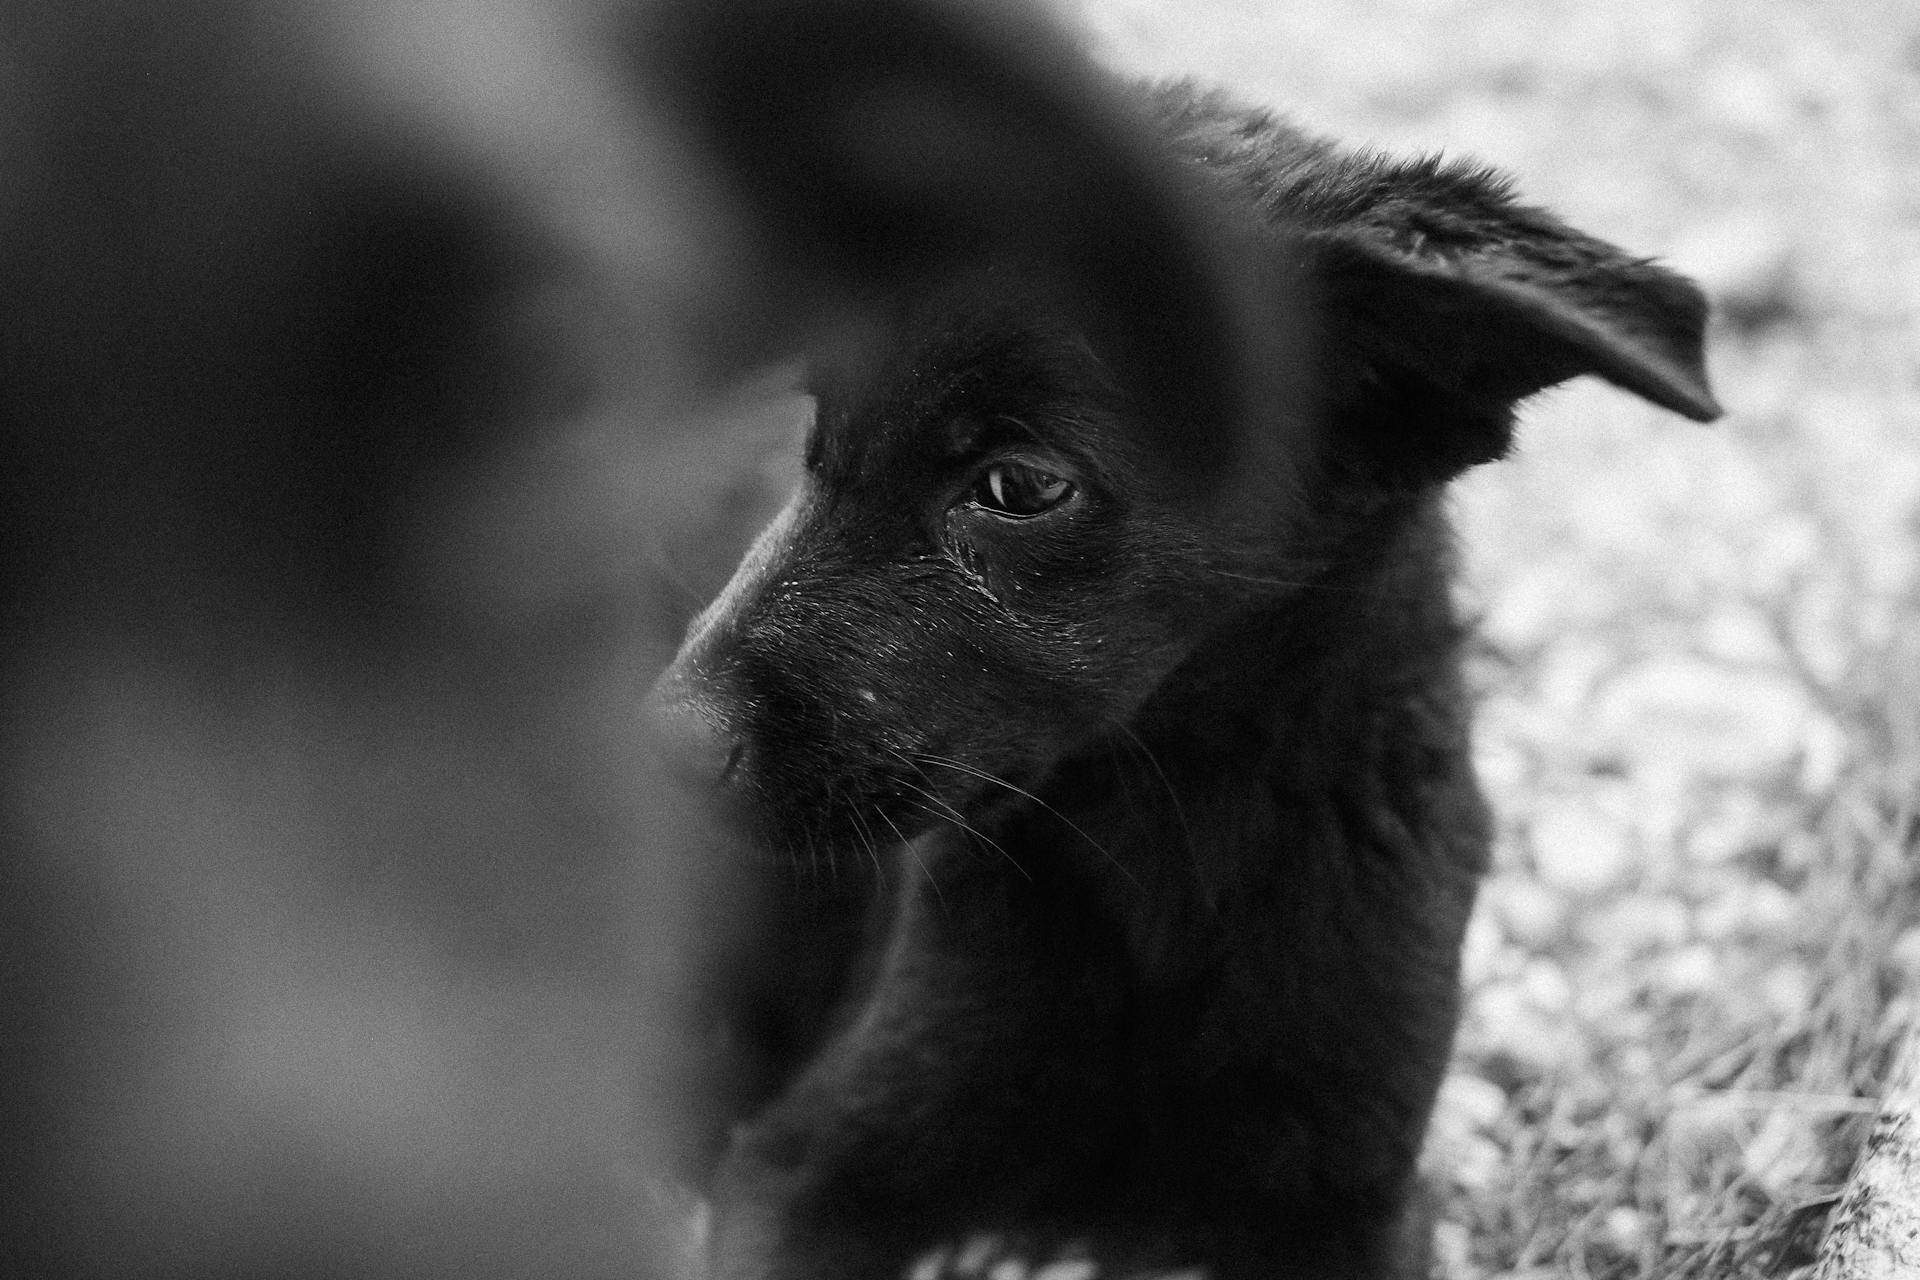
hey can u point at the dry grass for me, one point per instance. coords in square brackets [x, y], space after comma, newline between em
[1717, 1034]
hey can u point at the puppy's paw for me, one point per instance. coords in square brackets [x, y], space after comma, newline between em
[1005, 1257]
[1012, 1257]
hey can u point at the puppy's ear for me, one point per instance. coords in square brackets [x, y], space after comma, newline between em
[1441, 303]
[890, 144]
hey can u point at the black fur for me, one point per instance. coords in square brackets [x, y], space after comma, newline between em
[1124, 852]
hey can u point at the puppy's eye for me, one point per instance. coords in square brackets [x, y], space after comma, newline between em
[1019, 490]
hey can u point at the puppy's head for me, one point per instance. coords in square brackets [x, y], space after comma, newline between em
[995, 554]
[970, 577]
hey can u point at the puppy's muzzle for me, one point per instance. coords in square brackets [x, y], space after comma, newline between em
[698, 749]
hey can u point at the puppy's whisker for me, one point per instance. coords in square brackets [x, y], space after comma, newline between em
[1173, 796]
[872, 846]
[931, 794]
[944, 812]
[893, 826]
[1262, 581]
[984, 776]
[1301, 584]
[941, 811]
[813, 859]
[914, 853]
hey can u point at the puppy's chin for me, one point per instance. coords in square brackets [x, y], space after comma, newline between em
[736, 827]
[759, 798]
[843, 837]
[710, 824]
[843, 843]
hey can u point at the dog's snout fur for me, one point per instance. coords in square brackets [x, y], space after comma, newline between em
[703, 709]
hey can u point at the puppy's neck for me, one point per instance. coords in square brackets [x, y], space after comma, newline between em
[1302, 684]
[1341, 696]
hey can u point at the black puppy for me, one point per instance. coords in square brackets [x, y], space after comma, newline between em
[1124, 828]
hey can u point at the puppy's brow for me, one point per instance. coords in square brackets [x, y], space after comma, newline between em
[960, 435]
[969, 435]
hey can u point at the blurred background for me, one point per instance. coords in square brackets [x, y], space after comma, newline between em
[1701, 646]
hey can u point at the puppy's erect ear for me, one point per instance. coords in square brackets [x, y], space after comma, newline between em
[896, 142]
[1441, 303]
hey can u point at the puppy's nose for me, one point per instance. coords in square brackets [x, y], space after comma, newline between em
[697, 748]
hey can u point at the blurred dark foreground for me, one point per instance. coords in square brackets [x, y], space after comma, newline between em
[371, 374]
